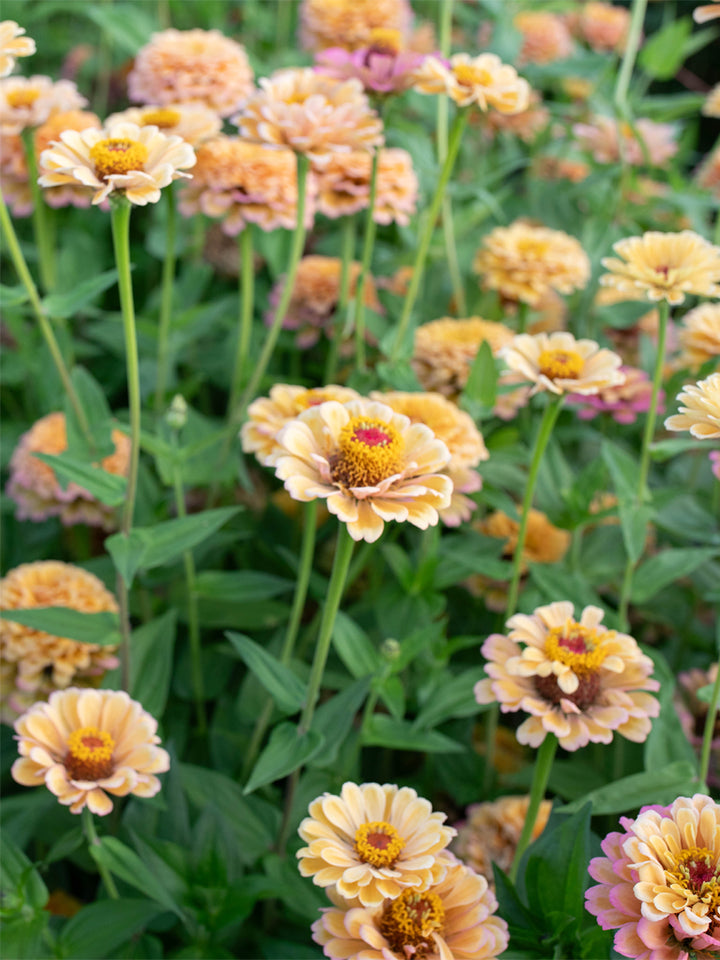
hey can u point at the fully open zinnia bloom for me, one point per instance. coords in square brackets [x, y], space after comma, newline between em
[13, 45]
[610, 141]
[350, 23]
[659, 883]
[546, 37]
[194, 122]
[373, 842]
[344, 186]
[484, 80]
[183, 66]
[86, 744]
[382, 66]
[561, 364]
[701, 413]
[136, 162]
[30, 101]
[368, 463]
[453, 920]
[623, 402]
[699, 336]
[577, 679]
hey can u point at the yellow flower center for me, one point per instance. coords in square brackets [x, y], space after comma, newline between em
[117, 156]
[370, 451]
[384, 40]
[410, 920]
[560, 364]
[89, 754]
[24, 97]
[162, 118]
[575, 646]
[697, 872]
[378, 843]
[468, 75]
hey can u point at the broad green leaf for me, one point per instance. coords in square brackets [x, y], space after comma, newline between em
[125, 864]
[64, 305]
[665, 568]
[466, 555]
[634, 522]
[623, 469]
[398, 376]
[91, 397]
[354, 648]
[98, 929]
[454, 697]
[12, 296]
[384, 731]
[128, 32]
[240, 586]
[392, 694]
[151, 664]
[666, 449]
[558, 584]
[106, 487]
[639, 789]
[334, 719]
[23, 937]
[284, 687]
[705, 693]
[20, 883]
[285, 752]
[667, 741]
[101, 628]
[481, 386]
[663, 53]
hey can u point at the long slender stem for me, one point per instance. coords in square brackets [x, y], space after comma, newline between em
[247, 301]
[347, 253]
[541, 775]
[709, 732]
[631, 48]
[166, 301]
[41, 228]
[368, 244]
[92, 839]
[424, 245]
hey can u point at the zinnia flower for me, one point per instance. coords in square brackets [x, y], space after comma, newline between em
[711, 107]
[183, 66]
[373, 842]
[699, 336]
[134, 161]
[344, 186]
[544, 542]
[701, 415]
[692, 712]
[603, 26]
[30, 101]
[35, 662]
[706, 12]
[610, 141]
[382, 66]
[623, 401]
[659, 883]
[69, 195]
[707, 174]
[524, 262]
[546, 37]
[578, 680]
[35, 488]
[485, 81]
[194, 122]
[453, 920]
[310, 113]
[12, 45]
[86, 744]
[368, 463]
[561, 364]
[350, 23]
[14, 180]
[526, 125]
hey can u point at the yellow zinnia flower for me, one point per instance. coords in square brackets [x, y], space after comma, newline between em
[561, 364]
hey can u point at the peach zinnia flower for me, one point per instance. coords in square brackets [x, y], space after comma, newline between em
[577, 679]
[711, 107]
[86, 744]
[603, 26]
[134, 161]
[706, 12]
[526, 125]
[485, 81]
[699, 336]
[350, 23]
[610, 141]
[184, 66]
[382, 66]
[194, 122]
[30, 101]
[525, 262]
[561, 364]
[701, 415]
[623, 402]
[373, 842]
[368, 463]
[344, 186]
[453, 920]
[35, 488]
[546, 37]
[74, 195]
[664, 266]
[544, 542]
[707, 174]
[13, 45]
[14, 180]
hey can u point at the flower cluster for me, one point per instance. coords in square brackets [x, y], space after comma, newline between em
[699, 336]
[610, 141]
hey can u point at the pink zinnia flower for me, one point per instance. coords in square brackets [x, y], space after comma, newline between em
[623, 402]
[382, 66]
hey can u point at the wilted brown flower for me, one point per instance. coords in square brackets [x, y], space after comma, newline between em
[445, 350]
[344, 186]
[544, 542]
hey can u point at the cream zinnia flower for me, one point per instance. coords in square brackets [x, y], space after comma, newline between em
[194, 122]
[86, 744]
[135, 162]
[701, 415]
[344, 186]
[368, 463]
[446, 348]
[373, 842]
[664, 266]
[485, 81]
[699, 336]
[561, 364]
[13, 45]
[30, 101]
[349, 23]
[711, 107]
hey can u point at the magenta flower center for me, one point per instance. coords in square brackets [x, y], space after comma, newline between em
[372, 436]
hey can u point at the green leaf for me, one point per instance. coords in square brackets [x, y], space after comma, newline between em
[106, 487]
[334, 719]
[61, 306]
[634, 522]
[662, 54]
[125, 864]
[129, 33]
[665, 568]
[453, 697]
[240, 586]
[284, 687]
[481, 386]
[285, 752]
[24, 937]
[101, 628]
[354, 648]
[98, 929]
[12, 296]
[151, 664]
[639, 789]
[98, 415]
[623, 470]
[20, 883]
[384, 731]
[555, 583]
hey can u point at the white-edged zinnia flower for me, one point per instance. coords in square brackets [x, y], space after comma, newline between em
[561, 364]
[701, 413]
[13, 45]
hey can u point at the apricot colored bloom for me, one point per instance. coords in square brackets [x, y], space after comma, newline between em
[699, 336]
[706, 12]
[453, 920]
[312, 114]
[561, 364]
[241, 183]
[191, 66]
[524, 262]
[344, 186]
[14, 180]
[69, 195]
[86, 744]
[268, 415]
[458, 432]
[373, 842]
[622, 401]
[659, 882]
[491, 831]
[13, 45]
[368, 463]
[546, 37]
[711, 107]
[135, 162]
[485, 81]
[544, 542]
[35, 662]
[382, 66]
[35, 488]
[350, 23]
[603, 26]
[663, 266]
[707, 174]
[30, 101]
[577, 679]
[446, 348]
[526, 125]
[692, 711]
[194, 122]
[701, 413]
[610, 141]
[315, 297]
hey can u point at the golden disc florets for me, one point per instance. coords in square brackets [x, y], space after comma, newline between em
[410, 921]
[22, 97]
[90, 753]
[370, 451]
[378, 843]
[575, 646]
[163, 117]
[384, 40]
[698, 871]
[560, 364]
[117, 155]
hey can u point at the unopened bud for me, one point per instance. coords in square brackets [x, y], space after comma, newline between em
[390, 649]
[176, 417]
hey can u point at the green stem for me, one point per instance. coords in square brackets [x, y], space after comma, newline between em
[166, 302]
[631, 48]
[349, 225]
[368, 244]
[546, 425]
[41, 228]
[541, 775]
[92, 839]
[424, 246]
[709, 732]
[491, 725]
[247, 300]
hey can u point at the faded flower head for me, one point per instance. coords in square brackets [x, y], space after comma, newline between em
[35, 488]
[194, 122]
[13, 45]
[546, 37]
[699, 336]
[610, 141]
[344, 186]
[484, 80]
[30, 101]
[561, 364]
[383, 66]
[312, 114]
[701, 413]
[35, 662]
[373, 842]
[86, 744]
[184, 66]
[603, 26]
[350, 23]
[524, 262]
[452, 920]
[576, 679]
[659, 882]
[122, 158]
[368, 463]
[622, 401]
